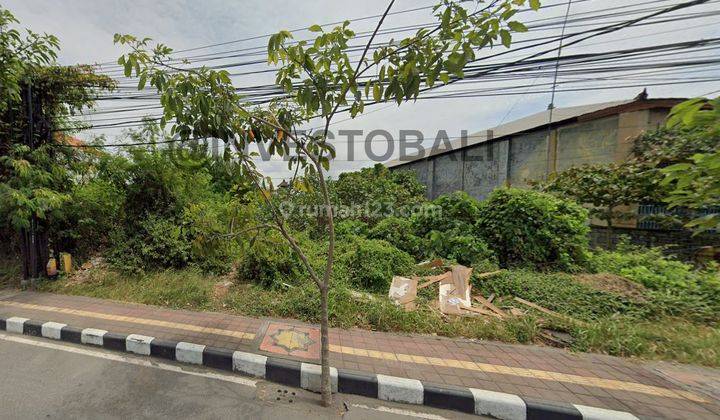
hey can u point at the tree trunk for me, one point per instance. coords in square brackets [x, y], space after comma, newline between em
[325, 349]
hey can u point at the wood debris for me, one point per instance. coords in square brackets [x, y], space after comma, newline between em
[488, 274]
[431, 279]
[549, 312]
[490, 306]
[454, 297]
[403, 292]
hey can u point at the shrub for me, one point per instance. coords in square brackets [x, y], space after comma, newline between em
[399, 232]
[532, 228]
[371, 263]
[94, 210]
[378, 190]
[269, 261]
[648, 266]
[447, 212]
[459, 246]
[447, 228]
[157, 243]
[351, 228]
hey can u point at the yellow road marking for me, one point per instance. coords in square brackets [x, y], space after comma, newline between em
[134, 320]
[526, 373]
[410, 358]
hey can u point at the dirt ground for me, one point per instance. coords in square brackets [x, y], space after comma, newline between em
[614, 284]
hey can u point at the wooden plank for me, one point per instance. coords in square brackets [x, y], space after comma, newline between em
[489, 274]
[549, 312]
[491, 297]
[431, 280]
[482, 311]
[489, 305]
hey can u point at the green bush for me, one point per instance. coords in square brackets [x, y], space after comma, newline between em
[371, 263]
[94, 210]
[399, 233]
[168, 215]
[157, 243]
[269, 261]
[447, 228]
[351, 228]
[648, 266]
[378, 190]
[447, 212]
[531, 228]
[457, 245]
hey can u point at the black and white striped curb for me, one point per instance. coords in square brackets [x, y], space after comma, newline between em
[307, 375]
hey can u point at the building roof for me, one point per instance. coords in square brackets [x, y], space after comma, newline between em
[542, 120]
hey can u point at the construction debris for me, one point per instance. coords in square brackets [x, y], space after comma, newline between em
[436, 263]
[455, 290]
[486, 303]
[489, 274]
[549, 312]
[403, 292]
[431, 279]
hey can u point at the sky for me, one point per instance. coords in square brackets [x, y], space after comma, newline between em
[86, 29]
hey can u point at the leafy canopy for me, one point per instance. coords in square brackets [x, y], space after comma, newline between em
[696, 184]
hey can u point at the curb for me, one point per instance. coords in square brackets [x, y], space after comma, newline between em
[307, 375]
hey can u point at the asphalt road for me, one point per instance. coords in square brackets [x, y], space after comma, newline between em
[46, 379]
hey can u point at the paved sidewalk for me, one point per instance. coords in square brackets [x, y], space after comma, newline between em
[529, 371]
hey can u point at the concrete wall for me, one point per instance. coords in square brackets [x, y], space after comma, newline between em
[528, 158]
[485, 168]
[447, 175]
[589, 142]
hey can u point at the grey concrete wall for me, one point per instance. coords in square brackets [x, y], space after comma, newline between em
[528, 158]
[447, 173]
[485, 168]
[590, 142]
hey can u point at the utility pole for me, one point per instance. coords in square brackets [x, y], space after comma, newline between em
[33, 263]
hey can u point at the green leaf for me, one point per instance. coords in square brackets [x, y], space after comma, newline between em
[535, 4]
[377, 93]
[142, 81]
[505, 38]
[517, 26]
[315, 28]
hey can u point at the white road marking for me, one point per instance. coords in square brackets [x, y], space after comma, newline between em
[128, 359]
[400, 411]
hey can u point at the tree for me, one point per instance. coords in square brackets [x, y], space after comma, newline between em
[36, 162]
[319, 78]
[607, 188]
[696, 184]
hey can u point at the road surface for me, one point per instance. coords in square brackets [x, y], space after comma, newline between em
[46, 379]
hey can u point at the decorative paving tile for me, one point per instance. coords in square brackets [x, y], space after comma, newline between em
[292, 340]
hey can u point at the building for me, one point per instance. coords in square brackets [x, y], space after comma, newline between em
[533, 147]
